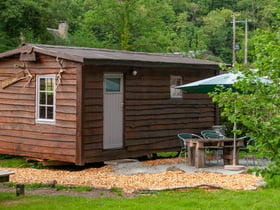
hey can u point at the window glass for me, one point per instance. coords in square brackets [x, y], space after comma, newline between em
[50, 85]
[50, 98]
[49, 112]
[42, 97]
[113, 84]
[42, 112]
[42, 84]
[175, 81]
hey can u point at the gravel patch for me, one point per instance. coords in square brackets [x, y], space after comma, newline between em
[140, 176]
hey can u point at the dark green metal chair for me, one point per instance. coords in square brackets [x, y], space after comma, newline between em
[247, 143]
[213, 134]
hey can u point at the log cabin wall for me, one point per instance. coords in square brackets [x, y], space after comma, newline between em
[152, 119]
[92, 114]
[19, 133]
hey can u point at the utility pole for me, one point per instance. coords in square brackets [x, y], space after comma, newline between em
[233, 39]
[246, 42]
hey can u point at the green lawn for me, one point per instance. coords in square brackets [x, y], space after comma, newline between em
[192, 199]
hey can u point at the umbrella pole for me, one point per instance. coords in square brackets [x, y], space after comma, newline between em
[234, 166]
[234, 145]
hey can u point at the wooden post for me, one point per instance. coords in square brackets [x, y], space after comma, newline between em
[199, 155]
[20, 189]
[191, 155]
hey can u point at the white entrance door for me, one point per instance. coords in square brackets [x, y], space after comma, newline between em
[113, 111]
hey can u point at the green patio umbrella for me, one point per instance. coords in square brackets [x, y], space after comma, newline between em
[209, 84]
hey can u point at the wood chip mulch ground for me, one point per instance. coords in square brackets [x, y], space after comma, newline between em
[104, 178]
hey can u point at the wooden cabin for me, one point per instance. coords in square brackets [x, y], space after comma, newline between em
[85, 105]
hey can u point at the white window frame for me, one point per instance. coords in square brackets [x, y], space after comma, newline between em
[37, 113]
[175, 93]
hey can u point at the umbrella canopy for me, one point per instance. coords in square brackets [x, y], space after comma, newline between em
[209, 84]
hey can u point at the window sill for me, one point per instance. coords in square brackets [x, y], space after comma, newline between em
[47, 122]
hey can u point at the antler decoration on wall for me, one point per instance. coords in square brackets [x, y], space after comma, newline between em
[61, 70]
[26, 72]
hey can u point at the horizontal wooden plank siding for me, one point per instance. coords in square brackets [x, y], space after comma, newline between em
[93, 114]
[19, 133]
[152, 119]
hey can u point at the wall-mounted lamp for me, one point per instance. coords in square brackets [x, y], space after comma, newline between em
[134, 72]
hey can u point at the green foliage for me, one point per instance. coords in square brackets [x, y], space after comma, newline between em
[128, 24]
[256, 105]
[273, 181]
[197, 28]
[217, 26]
[18, 16]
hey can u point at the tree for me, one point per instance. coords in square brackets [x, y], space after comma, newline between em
[261, 12]
[139, 25]
[189, 37]
[257, 104]
[27, 20]
[22, 16]
[219, 30]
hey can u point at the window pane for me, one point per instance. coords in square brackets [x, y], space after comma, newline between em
[113, 84]
[42, 98]
[50, 84]
[42, 84]
[42, 114]
[50, 99]
[50, 113]
[175, 81]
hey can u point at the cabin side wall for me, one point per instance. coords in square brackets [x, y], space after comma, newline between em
[19, 132]
[152, 119]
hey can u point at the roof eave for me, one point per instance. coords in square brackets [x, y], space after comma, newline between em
[10, 53]
[59, 54]
[34, 48]
[136, 63]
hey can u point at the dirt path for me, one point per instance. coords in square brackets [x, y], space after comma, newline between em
[47, 191]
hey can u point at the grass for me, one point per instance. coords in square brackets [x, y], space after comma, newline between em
[192, 199]
[13, 162]
[8, 161]
[167, 154]
[117, 191]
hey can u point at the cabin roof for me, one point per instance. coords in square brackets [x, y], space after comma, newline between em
[108, 56]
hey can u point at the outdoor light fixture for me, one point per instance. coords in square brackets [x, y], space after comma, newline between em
[134, 72]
